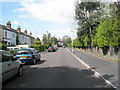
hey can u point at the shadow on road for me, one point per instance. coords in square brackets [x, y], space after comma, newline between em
[56, 77]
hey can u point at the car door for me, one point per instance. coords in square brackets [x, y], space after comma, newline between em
[6, 66]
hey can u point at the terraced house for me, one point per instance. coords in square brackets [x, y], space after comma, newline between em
[14, 37]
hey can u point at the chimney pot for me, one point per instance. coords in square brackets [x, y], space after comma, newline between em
[25, 32]
[19, 29]
[30, 33]
[8, 25]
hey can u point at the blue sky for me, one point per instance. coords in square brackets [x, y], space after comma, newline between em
[40, 16]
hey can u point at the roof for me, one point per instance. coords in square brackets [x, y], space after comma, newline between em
[13, 30]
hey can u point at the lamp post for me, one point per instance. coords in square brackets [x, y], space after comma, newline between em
[72, 41]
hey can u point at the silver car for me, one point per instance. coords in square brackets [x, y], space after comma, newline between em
[10, 66]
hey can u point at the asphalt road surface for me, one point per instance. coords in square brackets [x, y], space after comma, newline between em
[56, 70]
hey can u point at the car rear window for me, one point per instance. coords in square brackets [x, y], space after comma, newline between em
[24, 52]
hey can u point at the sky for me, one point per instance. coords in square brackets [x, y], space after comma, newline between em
[40, 16]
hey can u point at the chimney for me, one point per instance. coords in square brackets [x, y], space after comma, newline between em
[19, 29]
[8, 25]
[31, 34]
[25, 32]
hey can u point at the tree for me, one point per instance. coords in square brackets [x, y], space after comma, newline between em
[87, 16]
[53, 40]
[109, 29]
[44, 39]
[37, 41]
[66, 40]
[17, 40]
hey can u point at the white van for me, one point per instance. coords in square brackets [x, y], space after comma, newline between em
[12, 48]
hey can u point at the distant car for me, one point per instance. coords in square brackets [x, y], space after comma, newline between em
[63, 46]
[26, 55]
[51, 49]
[56, 47]
[10, 66]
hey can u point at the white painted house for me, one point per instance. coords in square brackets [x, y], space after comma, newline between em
[10, 35]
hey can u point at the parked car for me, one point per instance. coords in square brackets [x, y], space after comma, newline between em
[51, 49]
[56, 47]
[10, 66]
[28, 55]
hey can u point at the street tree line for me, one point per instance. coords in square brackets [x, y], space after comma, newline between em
[98, 25]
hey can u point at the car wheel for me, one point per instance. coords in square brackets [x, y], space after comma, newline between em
[38, 60]
[34, 61]
[20, 71]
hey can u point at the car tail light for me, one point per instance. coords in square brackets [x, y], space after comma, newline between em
[31, 56]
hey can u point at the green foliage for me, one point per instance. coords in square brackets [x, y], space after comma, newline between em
[108, 32]
[69, 45]
[39, 48]
[13, 52]
[100, 29]
[36, 42]
[76, 42]
[86, 41]
[3, 46]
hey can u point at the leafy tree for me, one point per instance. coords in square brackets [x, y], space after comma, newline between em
[77, 43]
[54, 40]
[37, 41]
[17, 40]
[44, 39]
[87, 16]
[66, 40]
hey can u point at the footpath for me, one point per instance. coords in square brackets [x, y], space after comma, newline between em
[106, 68]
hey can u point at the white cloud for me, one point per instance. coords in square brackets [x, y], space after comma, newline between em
[15, 22]
[56, 11]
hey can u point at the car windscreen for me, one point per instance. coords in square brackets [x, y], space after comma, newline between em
[24, 52]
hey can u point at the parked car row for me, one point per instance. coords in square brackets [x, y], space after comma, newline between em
[13, 65]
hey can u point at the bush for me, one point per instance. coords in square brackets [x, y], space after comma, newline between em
[3, 46]
[13, 52]
[39, 48]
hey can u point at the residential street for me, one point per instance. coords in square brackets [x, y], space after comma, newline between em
[56, 70]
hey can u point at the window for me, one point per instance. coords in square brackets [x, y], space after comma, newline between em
[6, 57]
[5, 34]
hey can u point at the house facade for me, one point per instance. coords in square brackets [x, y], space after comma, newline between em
[13, 37]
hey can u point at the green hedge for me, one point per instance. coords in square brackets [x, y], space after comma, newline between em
[39, 48]
[3, 46]
[69, 45]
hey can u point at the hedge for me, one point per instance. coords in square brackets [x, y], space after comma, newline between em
[3, 46]
[39, 48]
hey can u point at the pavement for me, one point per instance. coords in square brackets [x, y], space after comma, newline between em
[106, 68]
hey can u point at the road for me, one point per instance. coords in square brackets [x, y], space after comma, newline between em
[56, 70]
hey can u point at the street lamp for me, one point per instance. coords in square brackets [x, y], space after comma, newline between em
[72, 41]
[72, 38]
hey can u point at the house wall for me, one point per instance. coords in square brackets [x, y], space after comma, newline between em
[10, 37]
